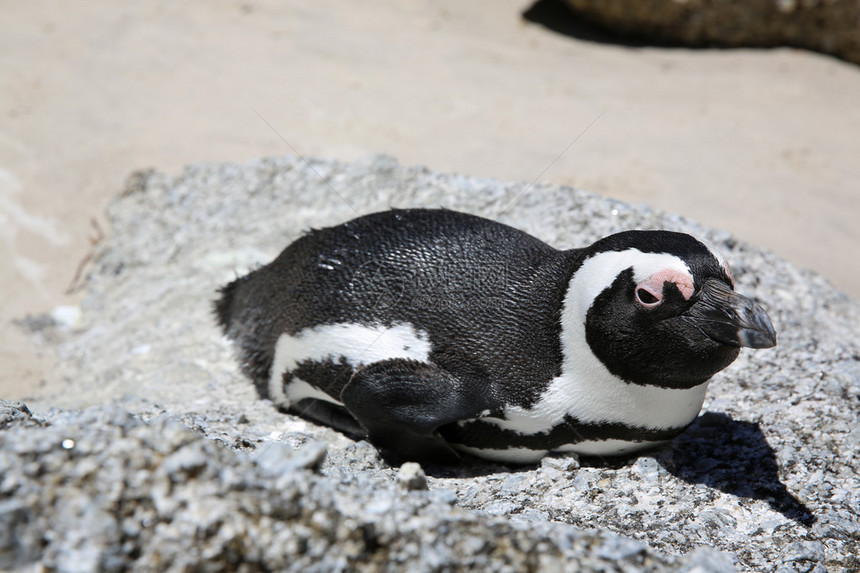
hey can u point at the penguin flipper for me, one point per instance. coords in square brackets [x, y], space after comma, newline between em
[402, 402]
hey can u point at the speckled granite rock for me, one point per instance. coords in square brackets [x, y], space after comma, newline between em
[767, 476]
[99, 490]
[17, 413]
[830, 26]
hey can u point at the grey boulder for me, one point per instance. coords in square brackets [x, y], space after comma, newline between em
[177, 465]
[829, 26]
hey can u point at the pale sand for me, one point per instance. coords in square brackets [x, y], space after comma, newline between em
[762, 143]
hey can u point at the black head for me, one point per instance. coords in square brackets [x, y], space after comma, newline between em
[659, 309]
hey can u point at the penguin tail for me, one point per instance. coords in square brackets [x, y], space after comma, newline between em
[224, 306]
[239, 321]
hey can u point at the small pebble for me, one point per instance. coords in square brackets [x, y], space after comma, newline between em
[561, 462]
[412, 477]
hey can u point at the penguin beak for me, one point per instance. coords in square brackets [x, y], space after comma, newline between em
[727, 317]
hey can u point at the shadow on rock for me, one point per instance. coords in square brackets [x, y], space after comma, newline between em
[554, 15]
[735, 458]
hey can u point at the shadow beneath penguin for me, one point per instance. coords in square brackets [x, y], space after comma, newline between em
[715, 450]
[735, 458]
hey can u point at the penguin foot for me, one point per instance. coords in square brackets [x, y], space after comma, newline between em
[401, 403]
[330, 415]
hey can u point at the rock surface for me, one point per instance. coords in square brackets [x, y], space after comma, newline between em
[830, 26]
[178, 464]
[99, 490]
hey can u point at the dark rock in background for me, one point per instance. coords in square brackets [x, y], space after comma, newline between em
[829, 26]
[179, 465]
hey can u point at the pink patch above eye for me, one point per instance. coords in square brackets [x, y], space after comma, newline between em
[653, 285]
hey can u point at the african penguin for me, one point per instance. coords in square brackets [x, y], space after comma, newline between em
[430, 332]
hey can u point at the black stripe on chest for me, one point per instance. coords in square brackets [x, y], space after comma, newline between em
[486, 435]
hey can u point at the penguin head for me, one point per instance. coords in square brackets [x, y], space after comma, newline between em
[659, 308]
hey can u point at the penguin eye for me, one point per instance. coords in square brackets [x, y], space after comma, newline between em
[647, 297]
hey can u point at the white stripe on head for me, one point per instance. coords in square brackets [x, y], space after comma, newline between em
[598, 273]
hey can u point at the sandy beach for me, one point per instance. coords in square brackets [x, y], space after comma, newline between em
[762, 143]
